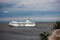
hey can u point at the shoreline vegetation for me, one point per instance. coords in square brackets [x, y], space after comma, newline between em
[55, 35]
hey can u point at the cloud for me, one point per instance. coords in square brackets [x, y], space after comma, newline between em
[51, 19]
[6, 5]
[30, 13]
[32, 4]
[39, 5]
[35, 16]
[6, 11]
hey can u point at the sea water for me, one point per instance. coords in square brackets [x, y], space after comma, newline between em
[21, 33]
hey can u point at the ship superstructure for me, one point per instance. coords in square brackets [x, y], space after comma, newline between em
[26, 23]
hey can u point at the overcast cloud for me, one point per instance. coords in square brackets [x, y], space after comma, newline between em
[10, 6]
[30, 4]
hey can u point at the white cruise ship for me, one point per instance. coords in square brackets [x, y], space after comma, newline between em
[27, 23]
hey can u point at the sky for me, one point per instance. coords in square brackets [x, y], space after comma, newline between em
[38, 10]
